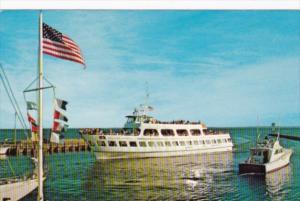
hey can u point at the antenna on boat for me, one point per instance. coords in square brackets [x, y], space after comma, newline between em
[147, 93]
[278, 133]
[257, 130]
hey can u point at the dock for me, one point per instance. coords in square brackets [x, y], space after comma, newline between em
[27, 147]
[290, 137]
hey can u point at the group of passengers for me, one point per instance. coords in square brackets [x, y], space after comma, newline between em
[155, 121]
[99, 131]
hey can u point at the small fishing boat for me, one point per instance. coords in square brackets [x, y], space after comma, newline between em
[267, 156]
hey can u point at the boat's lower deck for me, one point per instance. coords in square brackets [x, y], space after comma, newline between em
[110, 147]
[101, 155]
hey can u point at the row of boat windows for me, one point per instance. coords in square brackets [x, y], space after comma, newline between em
[170, 132]
[260, 153]
[162, 144]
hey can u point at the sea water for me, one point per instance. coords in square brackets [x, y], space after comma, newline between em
[79, 176]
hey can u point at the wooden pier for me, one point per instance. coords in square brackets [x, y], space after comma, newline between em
[25, 147]
[290, 137]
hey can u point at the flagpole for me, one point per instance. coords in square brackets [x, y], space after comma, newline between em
[40, 112]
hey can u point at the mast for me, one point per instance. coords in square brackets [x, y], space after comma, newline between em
[40, 111]
[15, 131]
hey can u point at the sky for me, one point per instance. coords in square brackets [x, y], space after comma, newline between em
[225, 68]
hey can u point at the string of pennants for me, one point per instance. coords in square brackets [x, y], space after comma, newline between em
[60, 120]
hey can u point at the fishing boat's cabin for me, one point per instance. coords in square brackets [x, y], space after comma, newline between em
[266, 151]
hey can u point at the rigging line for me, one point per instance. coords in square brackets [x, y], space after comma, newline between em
[11, 101]
[19, 113]
[11, 168]
[30, 84]
[12, 94]
[48, 82]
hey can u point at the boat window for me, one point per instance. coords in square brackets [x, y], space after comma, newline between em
[168, 144]
[202, 141]
[189, 142]
[219, 141]
[214, 141]
[101, 143]
[136, 131]
[160, 144]
[133, 144]
[224, 140]
[151, 144]
[150, 132]
[182, 132]
[167, 132]
[207, 141]
[229, 139]
[195, 132]
[143, 144]
[196, 142]
[112, 143]
[205, 132]
[175, 143]
[182, 143]
[123, 143]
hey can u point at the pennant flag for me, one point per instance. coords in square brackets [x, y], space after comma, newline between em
[55, 138]
[31, 105]
[61, 104]
[34, 136]
[59, 127]
[60, 116]
[61, 46]
[30, 118]
[34, 126]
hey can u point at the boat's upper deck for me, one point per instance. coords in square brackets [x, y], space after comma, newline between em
[141, 124]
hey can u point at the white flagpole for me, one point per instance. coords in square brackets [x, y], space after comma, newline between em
[40, 112]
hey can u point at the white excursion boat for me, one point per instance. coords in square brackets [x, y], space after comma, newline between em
[143, 136]
[267, 156]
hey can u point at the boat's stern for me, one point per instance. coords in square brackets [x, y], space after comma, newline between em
[247, 168]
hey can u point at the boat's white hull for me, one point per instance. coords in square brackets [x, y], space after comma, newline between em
[275, 165]
[124, 155]
[3, 150]
[17, 190]
[280, 163]
[174, 148]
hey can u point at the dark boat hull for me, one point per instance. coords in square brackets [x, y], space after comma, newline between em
[251, 168]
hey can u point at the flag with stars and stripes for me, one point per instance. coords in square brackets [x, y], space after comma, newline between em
[61, 46]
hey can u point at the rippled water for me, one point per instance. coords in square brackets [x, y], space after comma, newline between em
[78, 176]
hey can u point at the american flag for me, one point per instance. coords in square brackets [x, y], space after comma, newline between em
[59, 45]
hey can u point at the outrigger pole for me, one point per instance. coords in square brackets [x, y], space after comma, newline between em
[40, 111]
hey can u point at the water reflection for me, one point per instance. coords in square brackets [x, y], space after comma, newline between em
[3, 157]
[274, 186]
[276, 183]
[203, 176]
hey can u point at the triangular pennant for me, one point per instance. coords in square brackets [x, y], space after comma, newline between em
[61, 104]
[60, 116]
[54, 138]
[31, 105]
[59, 127]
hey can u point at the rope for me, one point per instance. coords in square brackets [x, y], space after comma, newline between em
[12, 99]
